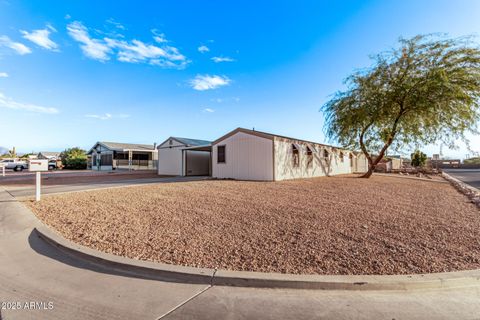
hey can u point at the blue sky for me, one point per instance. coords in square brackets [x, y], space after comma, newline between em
[73, 73]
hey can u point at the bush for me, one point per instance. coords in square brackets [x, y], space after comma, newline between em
[74, 158]
[418, 158]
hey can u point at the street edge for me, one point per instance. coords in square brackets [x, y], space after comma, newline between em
[471, 192]
[183, 274]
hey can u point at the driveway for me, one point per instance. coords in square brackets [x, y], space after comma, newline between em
[32, 270]
[469, 176]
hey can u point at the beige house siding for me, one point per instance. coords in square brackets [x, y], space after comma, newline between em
[320, 166]
[170, 158]
[247, 157]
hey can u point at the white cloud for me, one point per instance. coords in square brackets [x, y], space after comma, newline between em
[203, 49]
[6, 102]
[116, 24]
[207, 82]
[222, 59]
[18, 47]
[67, 17]
[3, 75]
[208, 110]
[222, 100]
[137, 51]
[107, 116]
[132, 51]
[93, 48]
[159, 37]
[41, 37]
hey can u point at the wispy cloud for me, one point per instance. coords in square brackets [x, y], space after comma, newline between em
[209, 110]
[222, 100]
[222, 59]
[137, 51]
[159, 37]
[107, 116]
[116, 24]
[203, 49]
[207, 82]
[18, 47]
[6, 102]
[131, 51]
[67, 17]
[93, 48]
[41, 37]
[3, 75]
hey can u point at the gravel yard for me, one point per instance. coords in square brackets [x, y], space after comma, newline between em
[334, 225]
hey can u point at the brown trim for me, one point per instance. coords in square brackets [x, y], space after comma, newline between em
[224, 154]
[254, 133]
[272, 136]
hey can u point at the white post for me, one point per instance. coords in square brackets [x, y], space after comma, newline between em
[38, 185]
[3, 171]
[129, 160]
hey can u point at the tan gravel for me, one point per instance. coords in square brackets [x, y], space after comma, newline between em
[334, 225]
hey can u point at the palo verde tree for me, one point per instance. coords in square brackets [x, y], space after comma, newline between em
[423, 92]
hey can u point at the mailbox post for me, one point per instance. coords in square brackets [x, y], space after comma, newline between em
[38, 166]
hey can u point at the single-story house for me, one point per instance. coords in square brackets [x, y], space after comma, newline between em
[48, 155]
[184, 157]
[114, 155]
[253, 155]
[245, 154]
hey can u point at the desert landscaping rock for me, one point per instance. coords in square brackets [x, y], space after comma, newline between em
[334, 225]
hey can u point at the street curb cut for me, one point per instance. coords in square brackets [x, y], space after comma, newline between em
[471, 192]
[182, 274]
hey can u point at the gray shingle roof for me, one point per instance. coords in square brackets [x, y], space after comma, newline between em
[121, 146]
[49, 153]
[192, 142]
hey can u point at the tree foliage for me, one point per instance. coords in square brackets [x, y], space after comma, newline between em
[418, 158]
[423, 92]
[74, 158]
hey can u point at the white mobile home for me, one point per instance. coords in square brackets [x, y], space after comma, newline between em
[185, 157]
[253, 155]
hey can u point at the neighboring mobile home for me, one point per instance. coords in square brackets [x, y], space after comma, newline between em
[129, 156]
[185, 157]
[49, 155]
[253, 155]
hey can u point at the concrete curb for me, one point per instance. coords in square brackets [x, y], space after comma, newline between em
[472, 193]
[173, 273]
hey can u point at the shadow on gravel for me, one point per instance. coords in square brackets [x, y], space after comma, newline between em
[63, 255]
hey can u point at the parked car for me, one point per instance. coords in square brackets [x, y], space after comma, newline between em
[15, 164]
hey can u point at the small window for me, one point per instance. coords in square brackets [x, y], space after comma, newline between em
[295, 156]
[309, 157]
[170, 142]
[341, 156]
[325, 153]
[221, 154]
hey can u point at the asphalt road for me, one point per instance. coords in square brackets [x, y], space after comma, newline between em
[469, 176]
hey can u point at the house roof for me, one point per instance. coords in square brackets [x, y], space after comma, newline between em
[192, 142]
[271, 136]
[188, 142]
[49, 153]
[118, 146]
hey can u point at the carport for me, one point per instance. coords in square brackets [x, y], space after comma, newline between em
[197, 161]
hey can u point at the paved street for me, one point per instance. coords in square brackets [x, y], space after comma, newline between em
[469, 176]
[33, 270]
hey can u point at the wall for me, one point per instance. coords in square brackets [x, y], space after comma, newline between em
[170, 158]
[284, 168]
[248, 157]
